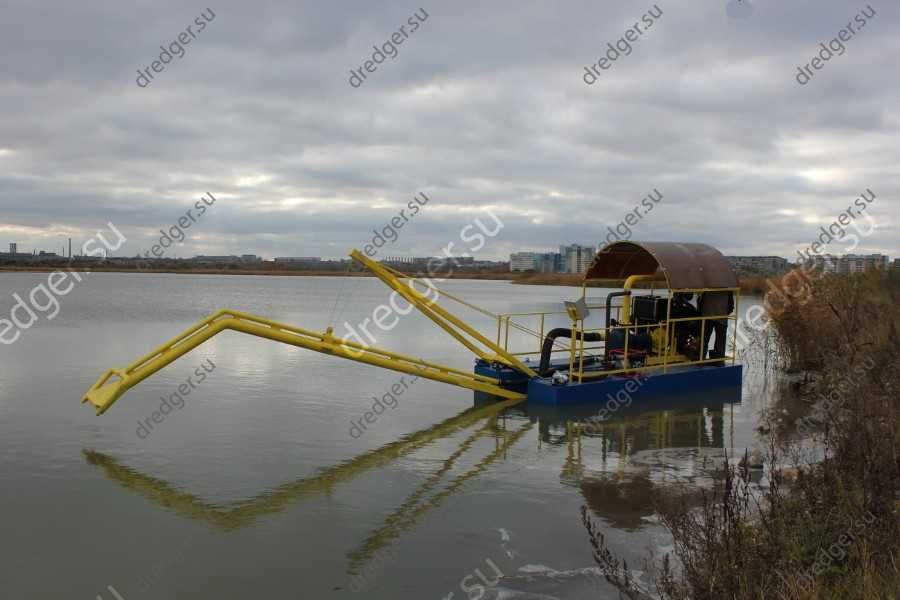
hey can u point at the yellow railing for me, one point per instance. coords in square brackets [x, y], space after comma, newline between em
[506, 321]
[578, 349]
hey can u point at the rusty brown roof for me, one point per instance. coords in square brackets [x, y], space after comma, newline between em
[684, 265]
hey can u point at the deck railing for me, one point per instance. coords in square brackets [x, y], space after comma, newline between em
[578, 349]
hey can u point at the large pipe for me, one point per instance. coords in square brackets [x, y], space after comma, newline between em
[609, 299]
[547, 348]
[544, 369]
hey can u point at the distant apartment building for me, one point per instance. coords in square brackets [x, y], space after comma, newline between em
[434, 264]
[297, 260]
[851, 263]
[522, 261]
[226, 260]
[547, 262]
[570, 259]
[13, 248]
[405, 260]
[575, 258]
[430, 264]
[762, 265]
[855, 263]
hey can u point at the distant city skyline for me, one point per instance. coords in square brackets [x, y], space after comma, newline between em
[17, 247]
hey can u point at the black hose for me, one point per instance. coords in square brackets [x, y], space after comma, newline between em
[609, 298]
[544, 369]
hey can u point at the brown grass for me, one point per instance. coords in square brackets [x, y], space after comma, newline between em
[746, 542]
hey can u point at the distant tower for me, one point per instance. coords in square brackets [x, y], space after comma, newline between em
[13, 248]
[70, 248]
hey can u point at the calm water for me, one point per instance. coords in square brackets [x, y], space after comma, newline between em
[255, 488]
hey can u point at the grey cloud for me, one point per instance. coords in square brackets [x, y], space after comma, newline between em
[484, 104]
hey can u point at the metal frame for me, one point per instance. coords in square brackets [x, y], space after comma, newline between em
[668, 359]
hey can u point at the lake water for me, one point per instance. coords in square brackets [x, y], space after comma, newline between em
[255, 487]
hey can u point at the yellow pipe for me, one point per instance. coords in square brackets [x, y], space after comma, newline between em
[629, 283]
[437, 314]
[106, 391]
[442, 317]
[417, 299]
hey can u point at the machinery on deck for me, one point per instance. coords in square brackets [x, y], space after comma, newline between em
[643, 344]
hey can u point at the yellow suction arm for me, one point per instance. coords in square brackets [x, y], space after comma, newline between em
[116, 382]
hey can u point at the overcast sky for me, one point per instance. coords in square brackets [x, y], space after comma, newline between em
[484, 105]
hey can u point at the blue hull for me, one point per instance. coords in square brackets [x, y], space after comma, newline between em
[623, 390]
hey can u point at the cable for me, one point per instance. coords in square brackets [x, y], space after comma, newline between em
[340, 294]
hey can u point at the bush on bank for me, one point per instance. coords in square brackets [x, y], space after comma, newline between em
[827, 523]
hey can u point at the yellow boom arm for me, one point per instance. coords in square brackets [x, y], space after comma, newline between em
[467, 335]
[116, 382]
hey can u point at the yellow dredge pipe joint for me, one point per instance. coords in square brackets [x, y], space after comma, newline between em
[629, 283]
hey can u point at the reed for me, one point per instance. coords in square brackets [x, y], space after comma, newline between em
[817, 528]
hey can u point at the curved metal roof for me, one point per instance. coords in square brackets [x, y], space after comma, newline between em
[684, 265]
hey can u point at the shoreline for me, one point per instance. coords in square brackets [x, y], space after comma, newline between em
[213, 271]
[752, 285]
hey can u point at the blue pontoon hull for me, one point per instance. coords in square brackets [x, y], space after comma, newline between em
[618, 389]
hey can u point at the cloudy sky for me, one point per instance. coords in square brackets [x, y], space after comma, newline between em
[485, 104]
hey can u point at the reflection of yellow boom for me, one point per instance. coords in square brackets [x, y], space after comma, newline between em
[279, 498]
[116, 382]
[416, 505]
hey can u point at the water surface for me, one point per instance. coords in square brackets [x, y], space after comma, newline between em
[256, 488]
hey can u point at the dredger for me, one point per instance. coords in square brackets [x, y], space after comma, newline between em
[651, 336]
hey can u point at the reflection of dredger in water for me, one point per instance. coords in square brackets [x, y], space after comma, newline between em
[405, 517]
[682, 422]
[271, 501]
